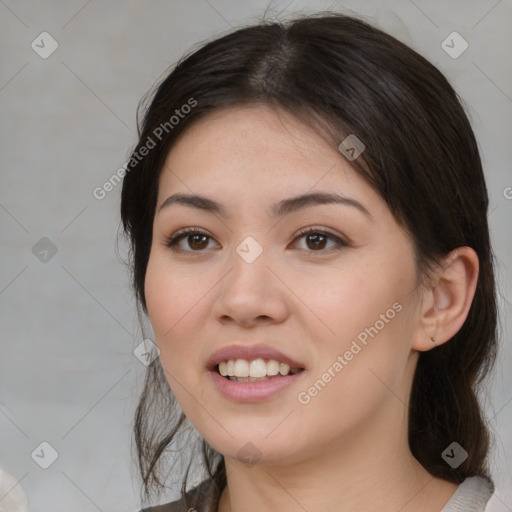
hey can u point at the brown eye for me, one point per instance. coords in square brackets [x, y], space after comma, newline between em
[196, 241]
[316, 241]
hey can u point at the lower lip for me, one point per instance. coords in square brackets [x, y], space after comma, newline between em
[252, 391]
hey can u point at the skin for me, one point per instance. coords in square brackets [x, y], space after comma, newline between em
[347, 449]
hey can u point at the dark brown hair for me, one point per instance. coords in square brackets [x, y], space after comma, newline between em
[343, 76]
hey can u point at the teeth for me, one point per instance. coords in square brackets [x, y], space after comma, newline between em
[256, 368]
[272, 367]
[241, 368]
[284, 369]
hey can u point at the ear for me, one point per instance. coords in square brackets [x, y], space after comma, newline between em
[447, 299]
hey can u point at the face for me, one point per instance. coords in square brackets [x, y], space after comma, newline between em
[329, 285]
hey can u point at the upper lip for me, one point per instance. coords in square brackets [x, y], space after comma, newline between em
[249, 353]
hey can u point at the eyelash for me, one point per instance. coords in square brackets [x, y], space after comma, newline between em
[173, 240]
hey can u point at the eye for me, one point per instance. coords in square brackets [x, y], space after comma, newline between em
[195, 239]
[316, 240]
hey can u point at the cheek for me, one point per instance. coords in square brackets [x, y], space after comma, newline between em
[365, 314]
[360, 370]
[346, 301]
[370, 313]
[173, 298]
[171, 295]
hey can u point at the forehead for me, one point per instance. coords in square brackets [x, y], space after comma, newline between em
[251, 151]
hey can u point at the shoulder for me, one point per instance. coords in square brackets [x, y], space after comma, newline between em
[197, 499]
[472, 495]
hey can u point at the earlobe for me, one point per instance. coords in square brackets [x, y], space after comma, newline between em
[447, 300]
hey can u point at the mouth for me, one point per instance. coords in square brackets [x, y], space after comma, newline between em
[252, 373]
[253, 389]
[256, 370]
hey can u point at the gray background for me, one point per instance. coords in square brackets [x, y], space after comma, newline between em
[68, 324]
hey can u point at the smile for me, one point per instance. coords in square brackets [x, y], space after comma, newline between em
[253, 389]
[241, 370]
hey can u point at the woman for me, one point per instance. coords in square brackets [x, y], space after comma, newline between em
[307, 214]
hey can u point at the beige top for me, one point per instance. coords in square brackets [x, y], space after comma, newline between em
[472, 495]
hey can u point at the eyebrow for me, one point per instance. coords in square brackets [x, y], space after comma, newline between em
[279, 209]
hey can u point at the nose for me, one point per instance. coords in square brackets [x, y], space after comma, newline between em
[250, 293]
